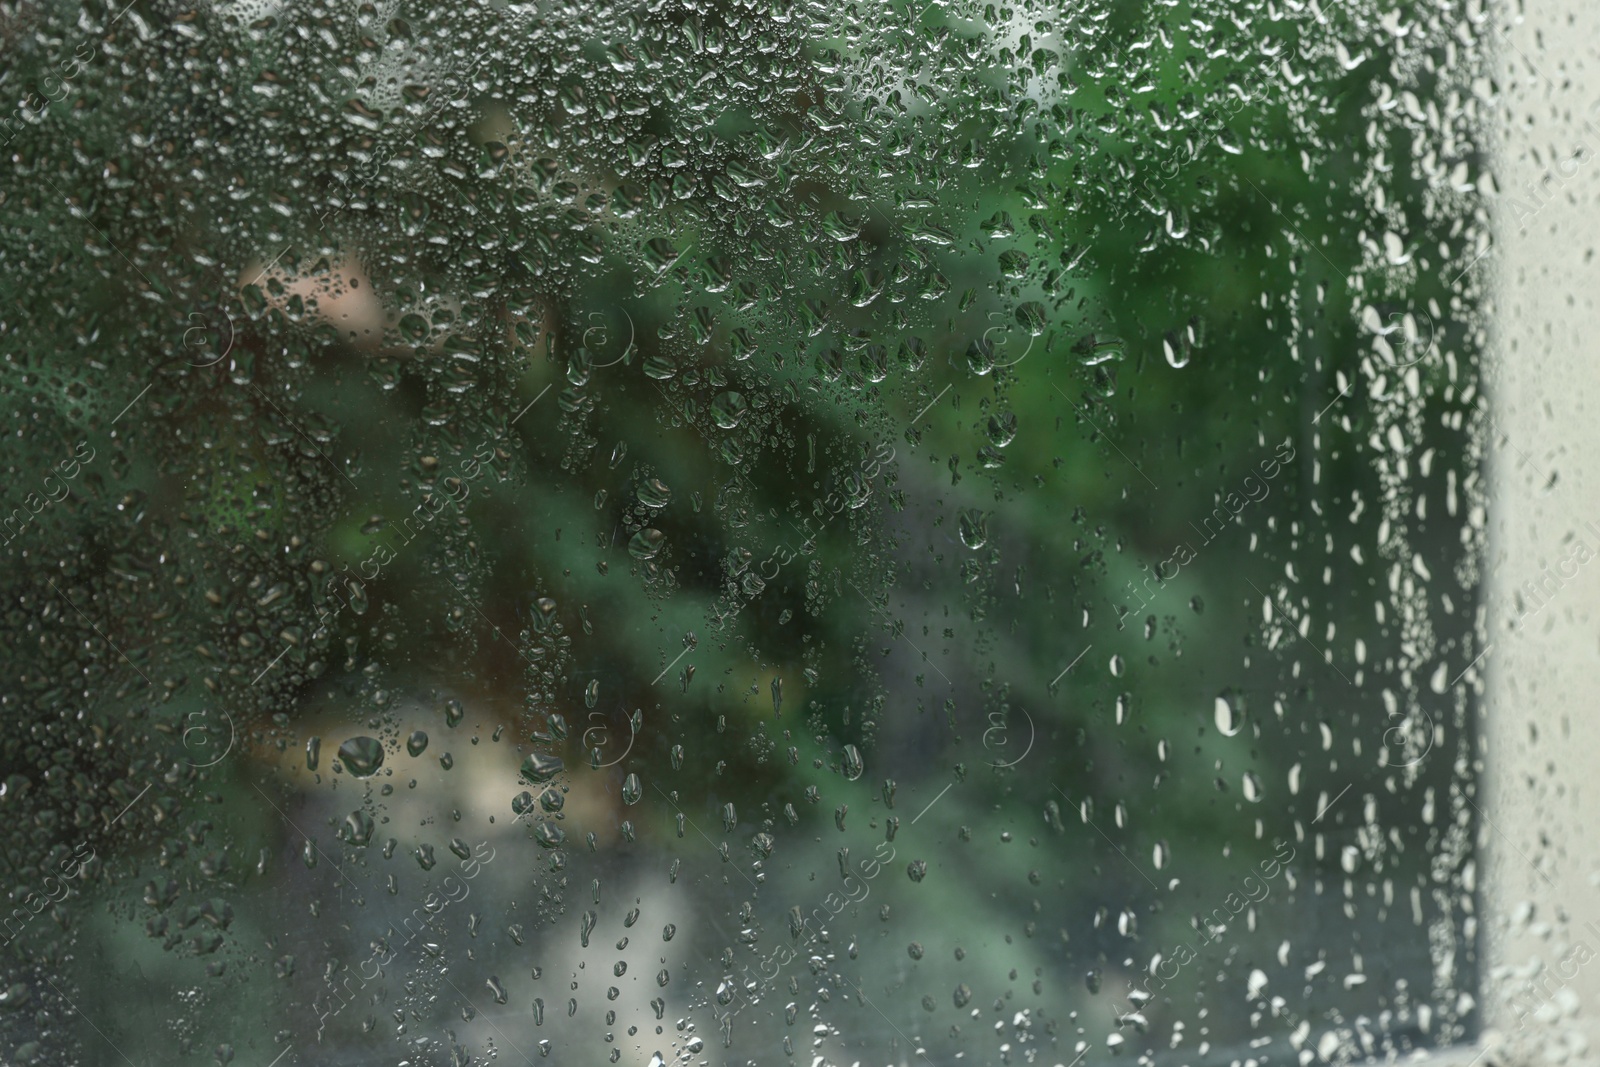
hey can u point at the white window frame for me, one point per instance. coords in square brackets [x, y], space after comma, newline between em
[1536, 870]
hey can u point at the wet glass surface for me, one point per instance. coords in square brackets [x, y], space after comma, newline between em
[742, 533]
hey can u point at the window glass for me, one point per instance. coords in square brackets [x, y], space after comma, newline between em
[741, 533]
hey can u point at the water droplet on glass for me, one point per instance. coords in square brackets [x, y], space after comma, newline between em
[1229, 714]
[357, 828]
[1176, 351]
[653, 493]
[539, 767]
[413, 328]
[728, 409]
[659, 367]
[980, 356]
[646, 544]
[974, 526]
[1002, 428]
[361, 756]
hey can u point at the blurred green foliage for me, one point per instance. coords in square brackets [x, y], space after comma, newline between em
[1078, 279]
